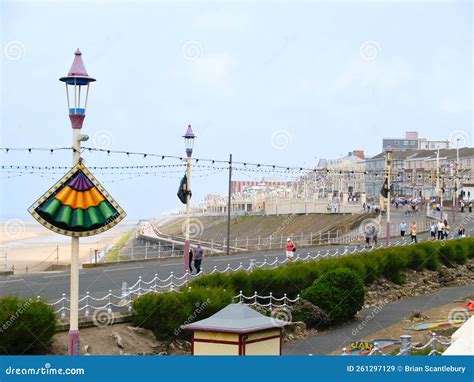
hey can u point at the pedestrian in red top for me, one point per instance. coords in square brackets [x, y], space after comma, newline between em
[290, 250]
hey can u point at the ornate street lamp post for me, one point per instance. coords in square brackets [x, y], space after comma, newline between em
[388, 161]
[77, 91]
[188, 144]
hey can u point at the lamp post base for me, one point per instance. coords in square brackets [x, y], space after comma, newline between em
[186, 256]
[73, 343]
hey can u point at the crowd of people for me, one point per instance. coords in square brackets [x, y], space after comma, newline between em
[441, 230]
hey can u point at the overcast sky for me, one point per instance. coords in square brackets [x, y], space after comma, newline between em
[275, 82]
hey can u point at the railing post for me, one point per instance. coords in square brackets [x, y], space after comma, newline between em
[240, 297]
[433, 343]
[146, 250]
[109, 304]
[171, 279]
[212, 245]
[311, 238]
[405, 344]
[271, 301]
[86, 313]
[139, 285]
[63, 309]
[285, 300]
[252, 265]
[156, 282]
[247, 243]
[159, 249]
[236, 242]
[129, 300]
[255, 298]
[320, 234]
[270, 242]
[186, 276]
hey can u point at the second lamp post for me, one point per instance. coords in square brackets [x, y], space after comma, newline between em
[188, 143]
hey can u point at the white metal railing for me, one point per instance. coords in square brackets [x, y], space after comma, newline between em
[173, 282]
[269, 301]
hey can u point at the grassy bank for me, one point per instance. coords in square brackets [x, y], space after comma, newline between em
[114, 254]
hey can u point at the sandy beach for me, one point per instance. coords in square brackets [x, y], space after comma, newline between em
[29, 244]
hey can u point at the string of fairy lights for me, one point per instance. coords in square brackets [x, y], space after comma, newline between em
[202, 167]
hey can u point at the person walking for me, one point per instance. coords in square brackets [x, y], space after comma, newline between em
[413, 232]
[440, 229]
[461, 231]
[462, 206]
[191, 257]
[374, 233]
[290, 250]
[367, 237]
[446, 230]
[470, 207]
[198, 257]
[403, 228]
[433, 230]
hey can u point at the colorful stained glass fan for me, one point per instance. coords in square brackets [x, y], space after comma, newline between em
[77, 205]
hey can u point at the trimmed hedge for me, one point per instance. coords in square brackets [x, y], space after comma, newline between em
[27, 326]
[335, 285]
[385, 262]
[340, 293]
[164, 313]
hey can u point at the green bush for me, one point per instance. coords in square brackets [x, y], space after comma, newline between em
[164, 313]
[26, 326]
[417, 260]
[469, 243]
[460, 252]
[394, 262]
[432, 260]
[447, 255]
[340, 293]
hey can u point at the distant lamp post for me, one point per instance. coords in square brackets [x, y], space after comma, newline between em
[388, 163]
[456, 181]
[189, 138]
[77, 83]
